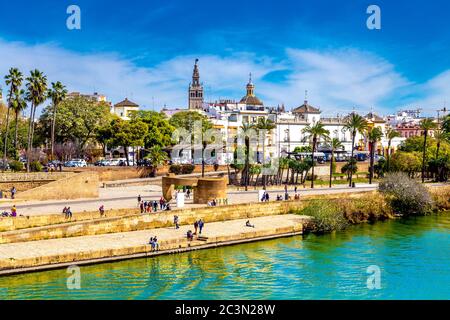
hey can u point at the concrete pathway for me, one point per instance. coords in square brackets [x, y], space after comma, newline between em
[126, 197]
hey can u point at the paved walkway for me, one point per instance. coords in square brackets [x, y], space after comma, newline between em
[86, 244]
[126, 197]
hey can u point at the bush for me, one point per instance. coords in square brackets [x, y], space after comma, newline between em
[36, 166]
[187, 168]
[405, 195]
[367, 208]
[16, 166]
[175, 168]
[326, 215]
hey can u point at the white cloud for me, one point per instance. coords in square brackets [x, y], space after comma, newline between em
[337, 80]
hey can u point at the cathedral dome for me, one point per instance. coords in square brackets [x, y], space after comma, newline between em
[250, 98]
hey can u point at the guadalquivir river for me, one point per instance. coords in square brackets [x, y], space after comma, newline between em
[413, 256]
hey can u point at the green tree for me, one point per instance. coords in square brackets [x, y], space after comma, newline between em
[408, 162]
[334, 144]
[157, 157]
[36, 94]
[373, 136]
[14, 80]
[159, 129]
[446, 126]
[390, 135]
[77, 120]
[314, 133]
[354, 123]
[246, 128]
[57, 94]
[266, 126]
[129, 134]
[426, 125]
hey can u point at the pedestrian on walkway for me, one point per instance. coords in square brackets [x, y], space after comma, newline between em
[195, 227]
[102, 210]
[69, 213]
[188, 194]
[142, 206]
[176, 222]
[155, 206]
[65, 212]
[200, 225]
[139, 199]
[13, 192]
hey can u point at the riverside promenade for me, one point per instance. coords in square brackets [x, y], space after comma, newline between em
[56, 253]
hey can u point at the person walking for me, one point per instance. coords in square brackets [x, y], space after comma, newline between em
[13, 192]
[200, 225]
[102, 210]
[139, 199]
[176, 222]
[195, 227]
[65, 212]
[188, 194]
[69, 213]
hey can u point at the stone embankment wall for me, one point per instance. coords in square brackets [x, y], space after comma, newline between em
[142, 222]
[25, 181]
[75, 186]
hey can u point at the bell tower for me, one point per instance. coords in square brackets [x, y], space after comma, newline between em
[195, 90]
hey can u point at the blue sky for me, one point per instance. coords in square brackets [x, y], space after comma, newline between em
[145, 50]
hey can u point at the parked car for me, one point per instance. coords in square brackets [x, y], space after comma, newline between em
[76, 163]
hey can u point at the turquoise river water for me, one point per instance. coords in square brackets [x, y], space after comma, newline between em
[413, 256]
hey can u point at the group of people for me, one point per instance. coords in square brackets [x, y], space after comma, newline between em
[67, 213]
[152, 206]
[198, 227]
[212, 203]
[154, 243]
[265, 197]
[12, 214]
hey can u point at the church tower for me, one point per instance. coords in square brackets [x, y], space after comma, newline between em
[195, 90]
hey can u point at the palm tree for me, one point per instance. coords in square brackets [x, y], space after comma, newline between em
[157, 157]
[57, 93]
[14, 80]
[266, 125]
[439, 135]
[19, 105]
[36, 94]
[334, 144]
[355, 123]
[246, 127]
[373, 136]
[426, 125]
[315, 132]
[390, 135]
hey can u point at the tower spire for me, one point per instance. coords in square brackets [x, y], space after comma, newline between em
[195, 89]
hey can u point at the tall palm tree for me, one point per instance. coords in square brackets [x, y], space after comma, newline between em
[426, 125]
[334, 144]
[315, 132]
[14, 80]
[36, 94]
[354, 123]
[439, 136]
[373, 136]
[57, 93]
[390, 135]
[266, 125]
[246, 127]
[19, 105]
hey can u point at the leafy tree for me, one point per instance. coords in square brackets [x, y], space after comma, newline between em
[159, 129]
[426, 125]
[408, 162]
[128, 134]
[57, 94]
[354, 123]
[303, 149]
[350, 167]
[315, 132]
[36, 94]
[391, 134]
[77, 120]
[14, 80]
[373, 136]
[446, 126]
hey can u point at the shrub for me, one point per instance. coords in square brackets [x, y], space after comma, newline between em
[326, 215]
[187, 168]
[175, 168]
[405, 195]
[16, 166]
[367, 208]
[36, 166]
[441, 198]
